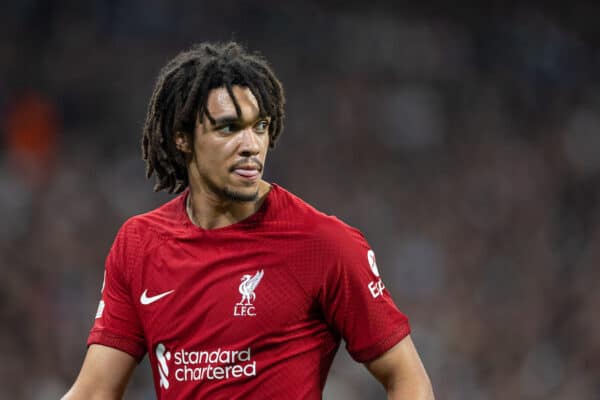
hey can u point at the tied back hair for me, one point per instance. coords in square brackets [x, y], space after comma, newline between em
[180, 97]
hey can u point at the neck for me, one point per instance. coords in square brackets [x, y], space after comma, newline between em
[211, 211]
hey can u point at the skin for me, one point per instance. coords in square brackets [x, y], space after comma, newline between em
[219, 152]
[402, 373]
[104, 375]
[224, 162]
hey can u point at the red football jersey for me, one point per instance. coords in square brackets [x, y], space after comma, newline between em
[256, 309]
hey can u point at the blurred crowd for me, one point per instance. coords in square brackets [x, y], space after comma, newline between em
[464, 143]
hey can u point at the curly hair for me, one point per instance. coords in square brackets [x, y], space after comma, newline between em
[180, 96]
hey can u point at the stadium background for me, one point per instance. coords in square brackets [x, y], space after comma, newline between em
[463, 141]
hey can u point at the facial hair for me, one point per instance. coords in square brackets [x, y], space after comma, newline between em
[231, 195]
[237, 196]
[227, 193]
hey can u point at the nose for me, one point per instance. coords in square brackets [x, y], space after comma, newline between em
[249, 143]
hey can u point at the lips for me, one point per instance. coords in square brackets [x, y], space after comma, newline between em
[247, 173]
[247, 170]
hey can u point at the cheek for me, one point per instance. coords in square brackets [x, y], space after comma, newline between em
[209, 150]
[207, 157]
[265, 143]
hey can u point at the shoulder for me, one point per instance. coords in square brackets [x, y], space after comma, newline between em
[142, 230]
[304, 216]
[167, 217]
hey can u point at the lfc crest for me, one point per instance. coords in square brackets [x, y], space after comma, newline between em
[245, 306]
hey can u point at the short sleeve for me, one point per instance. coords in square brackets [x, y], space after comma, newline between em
[117, 322]
[356, 303]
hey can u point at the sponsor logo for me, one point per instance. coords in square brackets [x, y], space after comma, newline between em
[100, 309]
[191, 366]
[163, 356]
[145, 300]
[373, 262]
[376, 286]
[245, 306]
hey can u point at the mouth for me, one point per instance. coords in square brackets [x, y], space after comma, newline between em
[247, 171]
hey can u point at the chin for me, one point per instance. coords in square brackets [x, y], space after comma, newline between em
[242, 194]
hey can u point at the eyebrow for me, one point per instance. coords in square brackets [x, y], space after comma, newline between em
[226, 120]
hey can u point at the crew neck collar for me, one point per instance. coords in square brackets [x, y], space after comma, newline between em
[252, 219]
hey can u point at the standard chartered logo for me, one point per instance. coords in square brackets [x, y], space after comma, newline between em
[204, 365]
[162, 355]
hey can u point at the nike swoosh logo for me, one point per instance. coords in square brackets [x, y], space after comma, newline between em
[145, 300]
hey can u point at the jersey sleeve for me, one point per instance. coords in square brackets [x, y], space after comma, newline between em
[356, 303]
[117, 323]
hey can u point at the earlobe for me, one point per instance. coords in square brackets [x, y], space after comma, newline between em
[182, 142]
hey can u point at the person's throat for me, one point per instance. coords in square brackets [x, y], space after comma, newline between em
[208, 212]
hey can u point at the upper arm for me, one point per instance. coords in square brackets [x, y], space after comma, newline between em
[103, 376]
[354, 300]
[401, 372]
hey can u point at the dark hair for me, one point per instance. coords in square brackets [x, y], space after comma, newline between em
[180, 96]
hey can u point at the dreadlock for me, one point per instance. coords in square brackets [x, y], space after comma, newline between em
[180, 96]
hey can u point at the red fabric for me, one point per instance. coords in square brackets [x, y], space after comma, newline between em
[317, 287]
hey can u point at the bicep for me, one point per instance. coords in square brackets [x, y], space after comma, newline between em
[104, 374]
[401, 372]
[354, 300]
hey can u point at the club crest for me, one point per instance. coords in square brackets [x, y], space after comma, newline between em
[245, 307]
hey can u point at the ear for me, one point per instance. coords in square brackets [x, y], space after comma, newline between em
[182, 142]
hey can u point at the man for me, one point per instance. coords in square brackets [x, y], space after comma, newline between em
[236, 289]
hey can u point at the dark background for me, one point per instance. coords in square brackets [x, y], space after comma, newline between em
[464, 141]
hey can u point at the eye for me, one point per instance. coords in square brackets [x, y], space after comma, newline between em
[229, 128]
[262, 126]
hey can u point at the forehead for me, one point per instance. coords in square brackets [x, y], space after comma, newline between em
[219, 103]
